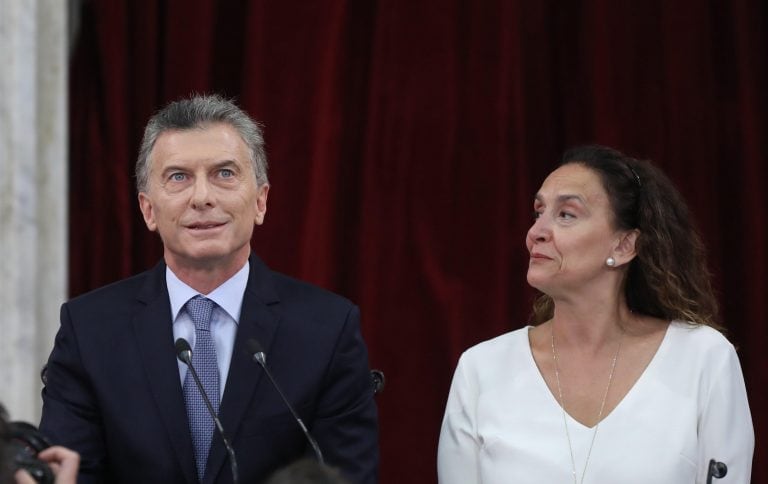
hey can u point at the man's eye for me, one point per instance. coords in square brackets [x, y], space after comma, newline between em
[536, 214]
[177, 177]
[226, 173]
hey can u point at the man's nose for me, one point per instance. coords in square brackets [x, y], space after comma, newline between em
[202, 195]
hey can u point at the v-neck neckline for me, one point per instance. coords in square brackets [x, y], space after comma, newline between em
[649, 369]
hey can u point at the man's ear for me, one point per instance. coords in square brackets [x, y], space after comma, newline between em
[261, 203]
[625, 249]
[147, 210]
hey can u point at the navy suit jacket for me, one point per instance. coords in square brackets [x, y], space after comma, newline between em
[114, 394]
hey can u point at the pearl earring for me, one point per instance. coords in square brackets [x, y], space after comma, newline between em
[610, 262]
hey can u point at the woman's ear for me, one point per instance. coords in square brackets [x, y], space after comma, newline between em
[625, 251]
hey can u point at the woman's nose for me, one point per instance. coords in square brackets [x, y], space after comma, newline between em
[540, 231]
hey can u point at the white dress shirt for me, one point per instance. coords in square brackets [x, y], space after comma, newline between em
[224, 319]
[502, 424]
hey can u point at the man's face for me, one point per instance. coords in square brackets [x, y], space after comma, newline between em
[202, 197]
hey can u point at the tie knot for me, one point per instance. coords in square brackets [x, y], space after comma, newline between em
[200, 309]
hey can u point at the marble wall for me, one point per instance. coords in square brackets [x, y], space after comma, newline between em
[33, 194]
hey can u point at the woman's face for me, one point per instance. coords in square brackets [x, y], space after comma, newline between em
[572, 234]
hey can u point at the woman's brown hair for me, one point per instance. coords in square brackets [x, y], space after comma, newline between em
[668, 278]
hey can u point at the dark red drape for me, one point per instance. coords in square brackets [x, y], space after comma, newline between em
[406, 140]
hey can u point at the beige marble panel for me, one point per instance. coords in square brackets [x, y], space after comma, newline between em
[33, 194]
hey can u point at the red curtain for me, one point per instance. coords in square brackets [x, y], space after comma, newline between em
[406, 140]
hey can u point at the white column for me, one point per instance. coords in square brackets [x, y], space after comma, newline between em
[33, 194]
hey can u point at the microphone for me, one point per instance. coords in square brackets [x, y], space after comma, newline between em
[717, 470]
[184, 354]
[257, 354]
[378, 380]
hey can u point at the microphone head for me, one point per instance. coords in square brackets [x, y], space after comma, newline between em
[378, 380]
[718, 469]
[256, 352]
[183, 351]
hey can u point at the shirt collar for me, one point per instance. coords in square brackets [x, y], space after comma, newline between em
[228, 296]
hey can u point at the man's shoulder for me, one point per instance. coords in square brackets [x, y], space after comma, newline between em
[273, 286]
[288, 286]
[124, 291]
[295, 292]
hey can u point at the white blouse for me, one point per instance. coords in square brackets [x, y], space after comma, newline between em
[503, 425]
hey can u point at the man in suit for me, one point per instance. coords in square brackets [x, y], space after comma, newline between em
[116, 392]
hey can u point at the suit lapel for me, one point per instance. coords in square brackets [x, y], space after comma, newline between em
[154, 337]
[258, 320]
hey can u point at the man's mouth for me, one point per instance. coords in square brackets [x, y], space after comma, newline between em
[205, 225]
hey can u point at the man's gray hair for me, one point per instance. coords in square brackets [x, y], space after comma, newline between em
[197, 112]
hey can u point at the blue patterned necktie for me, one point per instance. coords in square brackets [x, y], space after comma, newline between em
[201, 424]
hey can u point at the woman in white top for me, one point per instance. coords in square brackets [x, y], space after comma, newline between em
[624, 376]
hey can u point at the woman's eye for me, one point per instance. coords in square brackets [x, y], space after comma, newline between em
[536, 214]
[567, 215]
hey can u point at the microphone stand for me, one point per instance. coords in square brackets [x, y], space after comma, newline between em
[184, 353]
[257, 354]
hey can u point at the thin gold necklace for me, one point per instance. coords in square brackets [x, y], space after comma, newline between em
[562, 407]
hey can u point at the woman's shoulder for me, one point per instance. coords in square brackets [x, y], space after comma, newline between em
[497, 359]
[701, 336]
[700, 343]
[502, 346]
